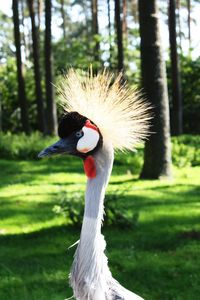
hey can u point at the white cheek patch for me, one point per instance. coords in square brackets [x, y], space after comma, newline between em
[89, 140]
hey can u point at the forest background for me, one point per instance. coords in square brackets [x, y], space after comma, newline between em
[83, 33]
[151, 226]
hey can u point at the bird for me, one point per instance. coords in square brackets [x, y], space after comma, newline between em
[101, 115]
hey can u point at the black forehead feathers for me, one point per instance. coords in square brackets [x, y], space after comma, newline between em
[69, 123]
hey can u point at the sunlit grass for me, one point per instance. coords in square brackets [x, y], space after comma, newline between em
[159, 258]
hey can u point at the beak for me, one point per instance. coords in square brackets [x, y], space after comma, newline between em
[65, 145]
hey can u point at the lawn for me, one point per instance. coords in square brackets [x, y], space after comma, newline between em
[158, 259]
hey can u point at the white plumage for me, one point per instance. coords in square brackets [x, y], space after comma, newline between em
[119, 111]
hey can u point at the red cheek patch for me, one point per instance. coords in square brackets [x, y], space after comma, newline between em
[89, 167]
[88, 124]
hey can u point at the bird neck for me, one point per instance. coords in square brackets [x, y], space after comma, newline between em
[95, 191]
[90, 267]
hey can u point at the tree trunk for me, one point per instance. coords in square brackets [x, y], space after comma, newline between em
[177, 114]
[86, 12]
[124, 20]
[189, 23]
[178, 4]
[118, 24]
[23, 37]
[51, 107]
[134, 9]
[157, 156]
[39, 12]
[109, 34]
[63, 18]
[20, 77]
[0, 112]
[95, 29]
[37, 74]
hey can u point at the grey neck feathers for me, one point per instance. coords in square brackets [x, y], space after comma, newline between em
[90, 276]
[95, 191]
[90, 271]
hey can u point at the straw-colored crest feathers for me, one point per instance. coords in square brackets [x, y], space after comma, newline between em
[120, 113]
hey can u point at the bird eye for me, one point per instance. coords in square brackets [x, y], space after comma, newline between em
[79, 133]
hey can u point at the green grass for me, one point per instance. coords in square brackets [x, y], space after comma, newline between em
[159, 258]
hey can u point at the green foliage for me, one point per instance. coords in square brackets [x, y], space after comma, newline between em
[132, 160]
[21, 146]
[77, 50]
[6, 37]
[72, 54]
[190, 70]
[71, 206]
[9, 96]
[190, 84]
[119, 216]
[186, 151]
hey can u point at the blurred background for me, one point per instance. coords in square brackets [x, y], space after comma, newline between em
[78, 34]
[151, 226]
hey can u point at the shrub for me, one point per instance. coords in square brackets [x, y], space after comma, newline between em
[190, 84]
[22, 146]
[71, 206]
[191, 94]
[186, 151]
[133, 160]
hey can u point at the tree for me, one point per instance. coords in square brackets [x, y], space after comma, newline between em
[51, 113]
[6, 37]
[189, 23]
[178, 5]
[39, 12]
[124, 19]
[157, 156]
[177, 110]
[22, 18]
[134, 9]
[62, 9]
[0, 114]
[109, 33]
[95, 29]
[37, 74]
[118, 24]
[20, 77]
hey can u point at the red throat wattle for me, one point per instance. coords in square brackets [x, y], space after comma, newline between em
[89, 167]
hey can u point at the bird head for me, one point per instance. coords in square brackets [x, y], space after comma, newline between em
[79, 136]
[99, 108]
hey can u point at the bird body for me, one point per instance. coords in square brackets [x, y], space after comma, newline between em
[101, 117]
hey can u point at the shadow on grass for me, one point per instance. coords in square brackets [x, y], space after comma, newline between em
[12, 172]
[36, 265]
[31, 211]
[149, 259]
[166, 197]
[41, 261]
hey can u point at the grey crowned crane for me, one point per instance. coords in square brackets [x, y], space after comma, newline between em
[101, 115]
